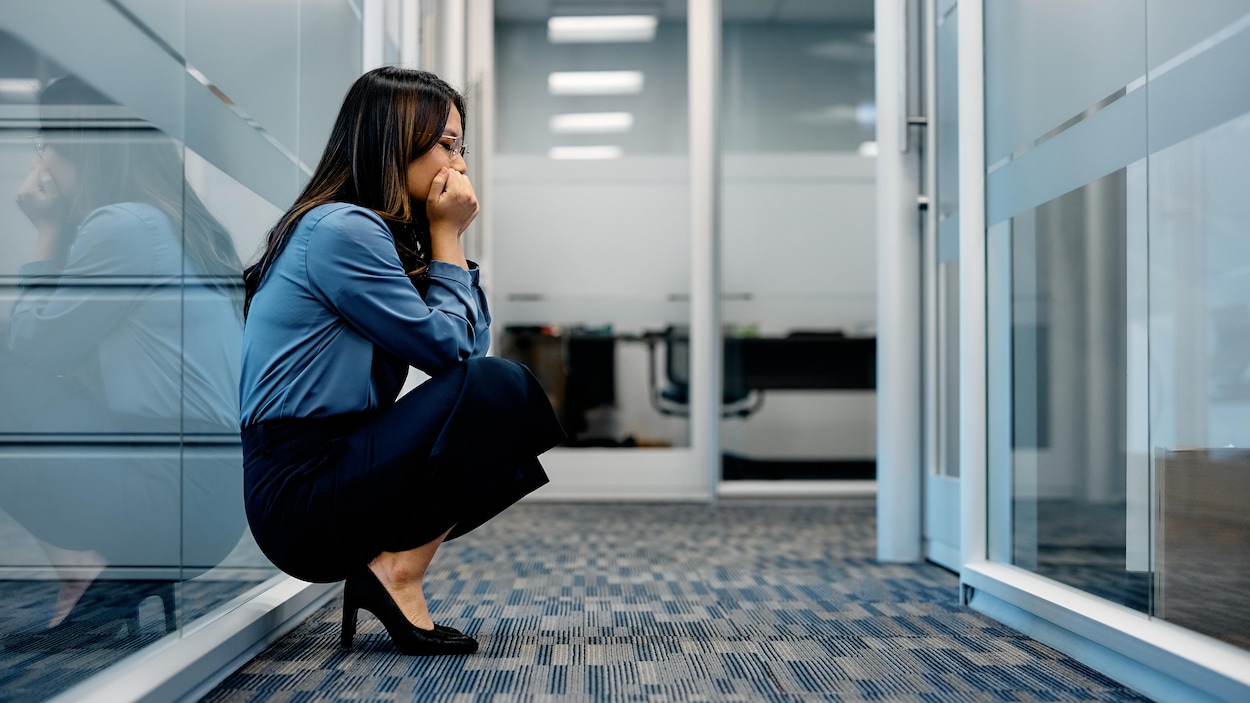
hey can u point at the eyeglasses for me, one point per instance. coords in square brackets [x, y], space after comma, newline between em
[456, 147]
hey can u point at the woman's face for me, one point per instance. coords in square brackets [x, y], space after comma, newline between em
[421, 172]
[62, 171]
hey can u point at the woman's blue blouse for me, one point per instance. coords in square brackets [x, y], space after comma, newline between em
[337, 322]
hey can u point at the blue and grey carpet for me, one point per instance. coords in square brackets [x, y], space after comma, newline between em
[739, 601]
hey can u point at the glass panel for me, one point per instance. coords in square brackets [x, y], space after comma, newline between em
[1199, 323]
[91, 382]
[121, 515]
[1065, 119]
[1068, 342]
[1177, 25]
[798, 245]
[589, 196]
[1047, 61]
[946, 191]
[221, 32]
[799, 87]
[946, 150]
[1128, 406]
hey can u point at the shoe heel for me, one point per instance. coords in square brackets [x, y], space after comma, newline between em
[349, 617]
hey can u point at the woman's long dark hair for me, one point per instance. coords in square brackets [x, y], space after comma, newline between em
[390, 117]
[132, 162]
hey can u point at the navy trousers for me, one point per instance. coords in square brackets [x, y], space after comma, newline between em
[324, 496]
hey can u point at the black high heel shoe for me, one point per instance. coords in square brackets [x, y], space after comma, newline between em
[364, 591]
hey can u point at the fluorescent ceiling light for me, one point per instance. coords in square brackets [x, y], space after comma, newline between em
[19, 85]
[592, 122]
[594, 82]
[618, 28]
[585, 152]
[868, 149]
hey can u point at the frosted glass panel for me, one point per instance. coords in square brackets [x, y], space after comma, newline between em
[165, 19]
[329, 60]
[250, 50]
[1090, 149]
[1177, 25]
[1194, 96]
[1047, 61]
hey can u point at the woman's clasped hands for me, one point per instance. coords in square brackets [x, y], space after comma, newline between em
[452, 205]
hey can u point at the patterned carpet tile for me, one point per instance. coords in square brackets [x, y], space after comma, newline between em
[773, 601]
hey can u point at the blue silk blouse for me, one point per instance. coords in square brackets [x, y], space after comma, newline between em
[336, 322]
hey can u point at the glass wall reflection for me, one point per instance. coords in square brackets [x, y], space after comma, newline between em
[589, 196]
[135, 190]
[798, 240]
[1060, 221]
[1119, 306]
[1199, 315]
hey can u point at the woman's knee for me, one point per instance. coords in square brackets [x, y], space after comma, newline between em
[496, 364]
[502, 379]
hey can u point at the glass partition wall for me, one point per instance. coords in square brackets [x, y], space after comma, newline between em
[591, 236]
[1119, 302]
[798, 242]
[144, 150]
[590, 198]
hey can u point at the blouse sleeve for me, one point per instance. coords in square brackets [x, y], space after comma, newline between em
[60, 316]
[353, 268]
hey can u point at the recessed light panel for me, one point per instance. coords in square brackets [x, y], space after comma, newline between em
[592, 123]
[617, 28]
[584, 153]
[594, 82]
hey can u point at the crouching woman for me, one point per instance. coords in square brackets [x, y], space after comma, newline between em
[364, 276]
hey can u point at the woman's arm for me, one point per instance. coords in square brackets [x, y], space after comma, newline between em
[352, 267]
[65, 307]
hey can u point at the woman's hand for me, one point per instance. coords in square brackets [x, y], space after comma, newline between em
[45, 206]
[452, 205]
[40, 199]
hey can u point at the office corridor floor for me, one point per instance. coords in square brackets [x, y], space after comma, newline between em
[739, 601]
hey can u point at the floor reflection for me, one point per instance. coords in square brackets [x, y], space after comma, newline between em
[113, 619]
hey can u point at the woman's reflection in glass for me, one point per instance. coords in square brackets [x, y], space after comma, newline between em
[125, 322]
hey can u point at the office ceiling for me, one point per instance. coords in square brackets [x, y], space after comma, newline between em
[834, 11]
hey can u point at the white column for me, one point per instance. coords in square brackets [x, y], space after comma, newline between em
[373, 23]
[450, 42]
[704, 28]
[899, 396]
[410, 33]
